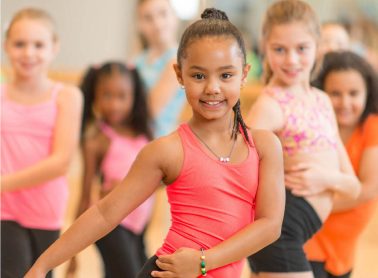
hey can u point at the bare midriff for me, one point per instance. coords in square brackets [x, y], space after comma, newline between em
[322, 202]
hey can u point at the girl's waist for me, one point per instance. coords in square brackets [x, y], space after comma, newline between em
[198, 236]
[322, 204]
[174, 241]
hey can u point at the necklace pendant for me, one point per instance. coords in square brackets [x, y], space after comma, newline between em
[224, 159]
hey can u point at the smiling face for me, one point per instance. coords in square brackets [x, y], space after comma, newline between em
[212, 73]
[347, 90]
[114, 98]
[290, 51]
[157, 21]
[30, 47]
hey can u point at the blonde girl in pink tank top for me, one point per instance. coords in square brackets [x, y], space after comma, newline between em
[224, 182]
[40, 127]
[303, 119]
[116, 126]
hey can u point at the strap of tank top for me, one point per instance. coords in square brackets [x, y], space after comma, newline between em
[107, 130]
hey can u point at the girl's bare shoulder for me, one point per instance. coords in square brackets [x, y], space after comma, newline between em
[164, 147]
[266, 141]
[69, 94]
[165, 153]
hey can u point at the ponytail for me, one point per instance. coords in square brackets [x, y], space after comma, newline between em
[239, 122]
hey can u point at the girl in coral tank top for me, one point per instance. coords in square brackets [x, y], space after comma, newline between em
[224, 181]
[40, 123]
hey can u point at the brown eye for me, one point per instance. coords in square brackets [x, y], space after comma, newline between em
[39, 45]
[199, 76]
[226, 75]
[19, 44]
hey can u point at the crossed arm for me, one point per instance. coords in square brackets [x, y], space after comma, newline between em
[65, 141]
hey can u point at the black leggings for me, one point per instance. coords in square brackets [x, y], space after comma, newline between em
[320, 272]
[20, 248]
[122, 252]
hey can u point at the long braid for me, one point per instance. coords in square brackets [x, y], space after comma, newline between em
[238, 121]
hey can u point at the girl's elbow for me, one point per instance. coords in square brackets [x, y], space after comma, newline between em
[356, 191]
[274, 231]
[61, 166]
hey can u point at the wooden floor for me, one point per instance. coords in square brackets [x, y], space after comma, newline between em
[90, 263]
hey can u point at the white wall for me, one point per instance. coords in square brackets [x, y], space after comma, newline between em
[90, 31]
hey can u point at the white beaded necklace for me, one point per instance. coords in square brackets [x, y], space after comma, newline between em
[224, 159]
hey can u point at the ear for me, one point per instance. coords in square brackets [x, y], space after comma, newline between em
[246, 69]
[178, 72]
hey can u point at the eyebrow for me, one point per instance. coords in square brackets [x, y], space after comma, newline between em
[282, 44]
[220, 68]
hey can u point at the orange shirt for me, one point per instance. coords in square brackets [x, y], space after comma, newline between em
[335, 243]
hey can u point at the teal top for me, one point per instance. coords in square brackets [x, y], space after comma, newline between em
[167, 119]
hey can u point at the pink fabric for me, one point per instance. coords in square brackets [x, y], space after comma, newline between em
[116, 164]
[210, 201]
[308, 128]
[26, 138]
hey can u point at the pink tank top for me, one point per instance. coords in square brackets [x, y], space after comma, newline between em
[116, 164]
[308, 127]
[210, 200]
[26, 138]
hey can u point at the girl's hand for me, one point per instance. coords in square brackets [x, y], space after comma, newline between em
[184, 263]
[306, 179]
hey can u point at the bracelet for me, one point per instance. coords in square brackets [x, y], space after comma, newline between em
[203, 263]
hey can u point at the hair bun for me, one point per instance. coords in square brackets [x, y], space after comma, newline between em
[212, 13]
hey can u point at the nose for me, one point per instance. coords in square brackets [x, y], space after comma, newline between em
[292, 57]
[28, 50]
[344, 101]
[212, 86]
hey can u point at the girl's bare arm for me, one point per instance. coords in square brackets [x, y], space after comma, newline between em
[143, 178]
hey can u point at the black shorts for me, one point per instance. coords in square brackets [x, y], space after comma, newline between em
[286, 254]
[148, 267]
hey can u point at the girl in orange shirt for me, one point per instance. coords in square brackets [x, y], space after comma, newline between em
[352, 86]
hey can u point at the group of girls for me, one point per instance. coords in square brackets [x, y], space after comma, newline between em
[258, 189]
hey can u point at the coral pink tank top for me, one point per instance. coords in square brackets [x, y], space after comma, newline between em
[210, 200]
[116, 164]
[26, 138]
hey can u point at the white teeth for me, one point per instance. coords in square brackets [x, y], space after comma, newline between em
[212, 102]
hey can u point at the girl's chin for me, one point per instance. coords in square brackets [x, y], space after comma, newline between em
[347, 123]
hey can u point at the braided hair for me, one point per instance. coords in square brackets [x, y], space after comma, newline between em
[215, 23]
